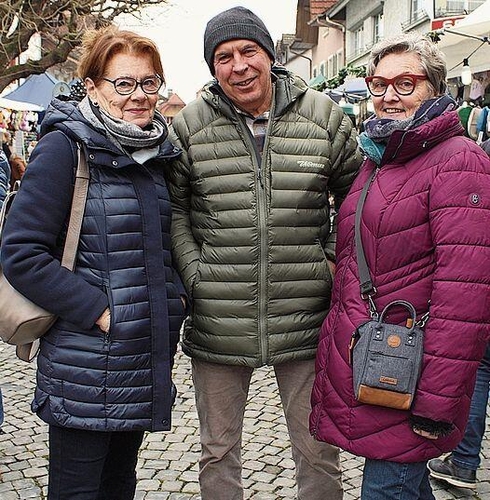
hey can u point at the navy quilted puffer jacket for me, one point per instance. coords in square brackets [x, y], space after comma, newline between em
[87, 379]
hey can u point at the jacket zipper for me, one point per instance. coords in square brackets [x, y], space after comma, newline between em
[435, 139]
[107, 338]
[262, 286]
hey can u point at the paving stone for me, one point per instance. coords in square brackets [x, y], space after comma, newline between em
[168, 463]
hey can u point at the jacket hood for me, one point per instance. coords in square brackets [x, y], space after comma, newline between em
[65, 116]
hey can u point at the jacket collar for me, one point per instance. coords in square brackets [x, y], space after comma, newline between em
[404, 145]
[65, 116]
[288, 88]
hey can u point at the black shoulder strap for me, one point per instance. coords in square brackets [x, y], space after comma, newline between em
[7, 203]
[366, 284]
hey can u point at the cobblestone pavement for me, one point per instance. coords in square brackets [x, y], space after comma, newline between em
[167, 467]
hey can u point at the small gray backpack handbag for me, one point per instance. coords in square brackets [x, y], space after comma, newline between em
[386, 358]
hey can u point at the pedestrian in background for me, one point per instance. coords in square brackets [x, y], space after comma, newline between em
[6, 140]
[5, 173]
[252, 240]
[18, 167]
[424, 230]
[104, 368]
[459, 467]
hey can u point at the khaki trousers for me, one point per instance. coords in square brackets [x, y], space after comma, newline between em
[221, 395]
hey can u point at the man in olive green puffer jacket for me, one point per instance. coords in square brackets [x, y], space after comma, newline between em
[253, 241]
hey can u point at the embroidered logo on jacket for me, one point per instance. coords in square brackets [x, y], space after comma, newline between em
[309, 164]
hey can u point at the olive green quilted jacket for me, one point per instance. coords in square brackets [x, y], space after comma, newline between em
[251, 236]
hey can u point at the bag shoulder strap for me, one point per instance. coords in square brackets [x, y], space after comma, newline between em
[80, 191]
[366, 284]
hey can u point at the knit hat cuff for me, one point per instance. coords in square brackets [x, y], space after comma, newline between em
[244, 25]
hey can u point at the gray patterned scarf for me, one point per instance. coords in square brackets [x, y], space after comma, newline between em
[122, 133]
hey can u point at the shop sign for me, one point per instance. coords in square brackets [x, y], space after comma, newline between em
[445, 22]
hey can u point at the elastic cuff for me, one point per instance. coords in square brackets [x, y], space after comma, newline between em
[439, 429]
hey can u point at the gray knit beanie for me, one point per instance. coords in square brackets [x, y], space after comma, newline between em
[234, 23]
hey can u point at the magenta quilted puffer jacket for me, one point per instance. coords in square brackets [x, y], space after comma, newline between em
[426, 234]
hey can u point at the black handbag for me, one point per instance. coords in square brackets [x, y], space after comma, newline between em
[386, 358]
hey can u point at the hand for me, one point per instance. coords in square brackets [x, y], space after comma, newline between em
[332, 267]
[104, 322]
[425, 434]
[184, 302]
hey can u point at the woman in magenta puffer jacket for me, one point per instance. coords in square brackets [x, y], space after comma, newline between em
[425, 231]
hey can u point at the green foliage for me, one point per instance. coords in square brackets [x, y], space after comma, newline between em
[340, 77]
[434, 36]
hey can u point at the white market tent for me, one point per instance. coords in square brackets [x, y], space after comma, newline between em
[468, 39]
[18, 105]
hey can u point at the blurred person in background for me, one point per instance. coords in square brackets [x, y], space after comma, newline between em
[18, 167]
[459, 467]
[4, 188]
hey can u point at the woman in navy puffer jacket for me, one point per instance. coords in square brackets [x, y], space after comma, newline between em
[104, 368]
[425, 232]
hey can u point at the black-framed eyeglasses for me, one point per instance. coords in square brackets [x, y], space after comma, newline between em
[127, 85]
[403, 84]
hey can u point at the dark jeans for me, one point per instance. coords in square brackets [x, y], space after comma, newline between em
[383, 480]
[91, 465]
[467, 453]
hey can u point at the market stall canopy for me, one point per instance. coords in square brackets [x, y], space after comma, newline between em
[37, 89]
[353, 89]
[468, 39]
[19, 106]
[353, 86]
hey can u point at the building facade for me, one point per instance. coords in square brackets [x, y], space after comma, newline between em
[334, 35]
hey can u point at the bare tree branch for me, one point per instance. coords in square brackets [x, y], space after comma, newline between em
[60, 23]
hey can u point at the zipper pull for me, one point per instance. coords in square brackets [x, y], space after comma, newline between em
[259, 176]
[352, 343]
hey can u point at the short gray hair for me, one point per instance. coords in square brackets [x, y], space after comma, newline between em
[432, 60]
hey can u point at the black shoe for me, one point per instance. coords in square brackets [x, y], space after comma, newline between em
[452, 474]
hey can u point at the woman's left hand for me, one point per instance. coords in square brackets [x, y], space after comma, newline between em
[425, 434]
